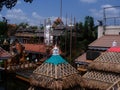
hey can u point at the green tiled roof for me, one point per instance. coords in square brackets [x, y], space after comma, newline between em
[55, 59]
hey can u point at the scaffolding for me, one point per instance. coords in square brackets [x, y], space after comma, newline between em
[111, 16]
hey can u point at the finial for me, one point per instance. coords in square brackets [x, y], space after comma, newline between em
[55, 50]
[114, 43]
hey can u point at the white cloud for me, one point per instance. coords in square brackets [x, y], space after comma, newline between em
[16, 16]
[88, 1]
[110, 12]
[35, 15]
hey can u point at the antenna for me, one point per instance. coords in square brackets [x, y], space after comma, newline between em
[61, 9]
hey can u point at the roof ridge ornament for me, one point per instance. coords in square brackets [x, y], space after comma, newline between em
[114, 43]
[55, 50]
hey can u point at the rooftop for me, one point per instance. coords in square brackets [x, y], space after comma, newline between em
[40, 48]
[4, 54]
[103, 71]
[105, 41]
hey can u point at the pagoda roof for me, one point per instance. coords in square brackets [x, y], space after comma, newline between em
[4, 54]
[55, 73]
[56, 59]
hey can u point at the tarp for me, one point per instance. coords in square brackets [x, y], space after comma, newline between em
[114, 49]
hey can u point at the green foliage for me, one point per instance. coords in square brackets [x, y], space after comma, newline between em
[84, 34]
[10, 3]
[3, 28]
[23, 24]
[34, 27]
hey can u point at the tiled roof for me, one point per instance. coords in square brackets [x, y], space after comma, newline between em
[106, 41]
[55, 59]
[29, 34]
[40, 34]
[4, 54]
[40, 48]
[83, 59]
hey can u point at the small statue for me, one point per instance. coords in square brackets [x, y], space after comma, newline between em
[114, 43]
[100, 22]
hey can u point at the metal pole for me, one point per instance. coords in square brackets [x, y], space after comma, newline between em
[66, 36]
[61, 9]
[75, 36]
[71, 40]
[104, 15]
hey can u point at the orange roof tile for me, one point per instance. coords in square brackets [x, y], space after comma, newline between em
[82, 58]
[106, 41]
[35, 48]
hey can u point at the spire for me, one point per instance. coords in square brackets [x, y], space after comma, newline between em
[55, 50]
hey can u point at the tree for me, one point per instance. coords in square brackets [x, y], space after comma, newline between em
[89, 31]
[3, 28]
[23, 25]
[10, 3]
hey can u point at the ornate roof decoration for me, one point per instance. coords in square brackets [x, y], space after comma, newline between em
[4, 54]
[58, 24]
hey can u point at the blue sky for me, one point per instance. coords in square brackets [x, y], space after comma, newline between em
[36, 12]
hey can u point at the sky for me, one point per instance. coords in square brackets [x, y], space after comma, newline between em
[36, 12]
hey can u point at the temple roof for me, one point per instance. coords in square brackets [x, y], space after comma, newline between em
[55, 70]
[108, 61]
[4, 54]
[103, 72]
[38, 48]
[99, 80]
[105, 41]
[56, 60]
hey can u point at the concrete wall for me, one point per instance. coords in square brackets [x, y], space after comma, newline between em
[100, 31]
[109, 30]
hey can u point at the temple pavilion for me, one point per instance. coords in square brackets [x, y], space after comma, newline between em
[55, 74]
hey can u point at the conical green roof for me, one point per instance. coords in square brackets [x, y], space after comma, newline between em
[56, 59]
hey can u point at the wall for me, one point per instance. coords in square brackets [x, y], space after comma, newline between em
[108, 30]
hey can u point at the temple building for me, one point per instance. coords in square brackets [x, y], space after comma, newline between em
[55, 74]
